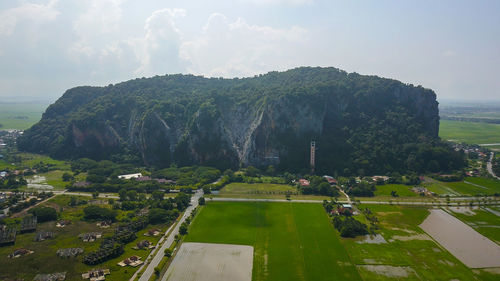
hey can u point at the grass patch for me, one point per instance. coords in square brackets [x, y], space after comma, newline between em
[401, 190]
[291, 241]
[469, 132]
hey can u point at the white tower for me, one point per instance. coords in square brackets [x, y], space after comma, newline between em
[313, 155]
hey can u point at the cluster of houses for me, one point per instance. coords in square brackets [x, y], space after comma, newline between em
[69, 252]
[19, 253]
[133, 261]
[58, 276]
[305, 183]
[44, 235]
[90, 237]
[96, 274]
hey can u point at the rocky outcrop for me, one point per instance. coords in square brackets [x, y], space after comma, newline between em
[259, 121]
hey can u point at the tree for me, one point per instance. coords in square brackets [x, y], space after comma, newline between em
[183, 229]
[158, 195]
[132, 195]
[394, 193]
[73, 201]
[44, 214]
[270, 170]
[67, 176]
[168, 253]
[251, 171]
[95, 194]
[94, 212]
[201, 201]
[157, 271]
[123, 194]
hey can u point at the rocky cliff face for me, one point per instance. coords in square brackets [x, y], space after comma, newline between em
[258, 121]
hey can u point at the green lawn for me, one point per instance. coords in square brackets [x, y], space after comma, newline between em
[401, 190]
[45, 260]
[292, 241]
[469, 132]
[404, 248]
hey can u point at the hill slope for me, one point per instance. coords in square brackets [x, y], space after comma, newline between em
[363, 123]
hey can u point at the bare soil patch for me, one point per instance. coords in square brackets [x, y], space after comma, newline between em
[211, 262]
[461, 240]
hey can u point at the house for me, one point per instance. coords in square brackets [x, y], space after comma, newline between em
[90, 237]
[44, 235]
[144, 244]
[133, 261]
[304, 182]
[347, 206]
[380, 178]
[96, 274]
[152, 232]
[81, 184]
[104, 224]
[58, 276]
[330, 180]
[130, 176]
[63, 223]
[69, 252]
[143, 178]
[20, 252]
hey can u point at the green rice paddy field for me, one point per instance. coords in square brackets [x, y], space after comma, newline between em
[20, 115]
[469, 132]
[296, 241]
[470, 186]
[292, 241]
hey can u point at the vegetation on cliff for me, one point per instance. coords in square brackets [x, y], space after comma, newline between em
[361, 124]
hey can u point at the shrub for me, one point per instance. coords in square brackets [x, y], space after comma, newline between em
[44, 214]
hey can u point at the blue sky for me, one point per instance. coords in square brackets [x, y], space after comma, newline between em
[48, 46]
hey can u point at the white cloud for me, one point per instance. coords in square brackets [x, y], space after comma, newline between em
[36, 13]
[158, 51]
[101, 18]
[236, 48]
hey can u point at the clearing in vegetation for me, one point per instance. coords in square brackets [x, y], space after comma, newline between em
[469, 246]
[211, 262]
[292, 241]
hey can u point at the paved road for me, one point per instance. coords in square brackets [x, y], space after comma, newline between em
[393, 202]
[149, 271]
[489, 167]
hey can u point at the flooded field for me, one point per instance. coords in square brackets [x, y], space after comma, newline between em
[38, 182]
[211, 262]
[466, 244]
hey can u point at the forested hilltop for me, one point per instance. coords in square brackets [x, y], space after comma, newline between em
[361, 124]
